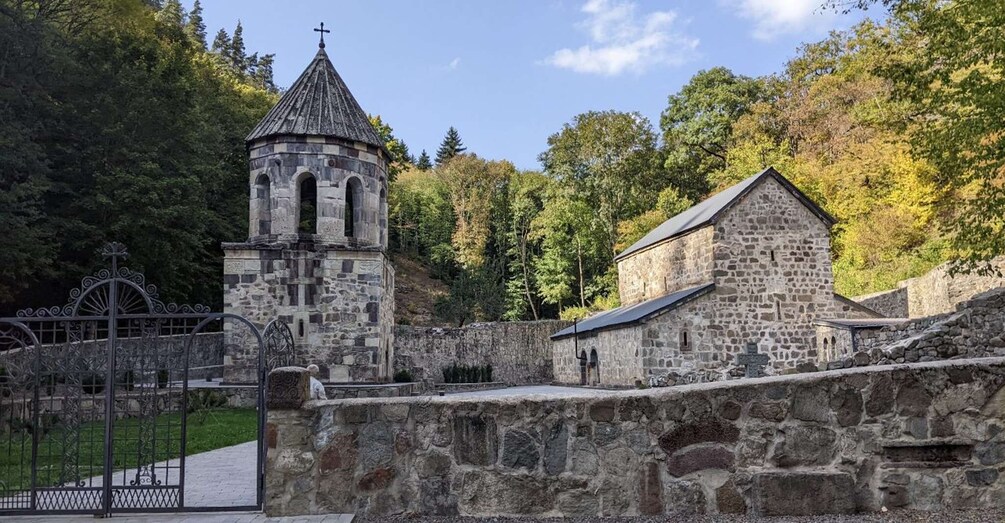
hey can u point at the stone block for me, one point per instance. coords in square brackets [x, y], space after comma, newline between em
[520, 450]
[432, 465]
[805, 445]
[811, 404]
[700, 458]
[287, 388]
[340, 454]
[377, 479]
[803, 493]
[475, 440]
[728, 500]
[602, 411]
[556, 449]
[698, 432]
[650, 490]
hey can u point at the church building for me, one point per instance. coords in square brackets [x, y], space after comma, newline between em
[315, 257]
[751, 264]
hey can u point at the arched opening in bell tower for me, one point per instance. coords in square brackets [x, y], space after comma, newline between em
[308, 217]
[353, 213]
[263, 203]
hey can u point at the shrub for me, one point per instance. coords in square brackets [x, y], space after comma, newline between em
[403, 376]
[92, 383]
[162, 378]
[128, 380]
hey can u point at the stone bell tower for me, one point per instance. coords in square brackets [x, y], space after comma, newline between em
[315, 257]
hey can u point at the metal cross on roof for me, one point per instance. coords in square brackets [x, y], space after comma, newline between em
[752, 361]
[322, 30]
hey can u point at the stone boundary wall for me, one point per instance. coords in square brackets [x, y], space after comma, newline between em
[924, 436]
[891, 303]
[935, 292]
[520, 352]
[976, 329]
[205, 357]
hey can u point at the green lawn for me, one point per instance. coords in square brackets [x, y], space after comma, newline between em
[207, 430]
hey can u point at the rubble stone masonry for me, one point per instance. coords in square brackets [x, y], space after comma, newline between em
[925, 436]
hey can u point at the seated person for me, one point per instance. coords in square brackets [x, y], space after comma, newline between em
[317, 389]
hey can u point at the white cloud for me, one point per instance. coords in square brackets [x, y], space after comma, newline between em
[622, 40]
[455, 63]
[774, 17]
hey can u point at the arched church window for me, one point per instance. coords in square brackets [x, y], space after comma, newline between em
[263, 201]
[685, 343]
[825, 345]
[308, 206]
[353, 216]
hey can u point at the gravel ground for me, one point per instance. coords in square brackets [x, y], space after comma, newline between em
[899, 516]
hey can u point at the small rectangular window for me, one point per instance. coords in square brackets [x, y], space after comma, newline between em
[772, 255]
[685, 343]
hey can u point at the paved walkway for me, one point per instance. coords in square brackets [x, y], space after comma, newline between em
[550, 391]
[232, 517]
[218, 478]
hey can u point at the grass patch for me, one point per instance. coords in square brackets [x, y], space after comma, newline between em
[207, 430]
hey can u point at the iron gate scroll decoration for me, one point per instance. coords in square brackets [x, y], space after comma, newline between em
[94, 399]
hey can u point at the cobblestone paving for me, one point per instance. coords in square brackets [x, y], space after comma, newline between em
[218, 478]
[233, 517]
[549, 391]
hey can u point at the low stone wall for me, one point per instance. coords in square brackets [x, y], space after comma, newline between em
[519, 351]
[891, 303]
[923, 436]
[935, 292]
[976, 329]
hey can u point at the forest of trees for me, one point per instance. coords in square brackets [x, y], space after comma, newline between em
[119, 120]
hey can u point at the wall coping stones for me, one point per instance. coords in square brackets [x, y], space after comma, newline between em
[667, 393]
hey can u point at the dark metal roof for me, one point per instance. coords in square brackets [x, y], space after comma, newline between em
[709, 211]
[870, 323]
[623, 316]
[318, 104]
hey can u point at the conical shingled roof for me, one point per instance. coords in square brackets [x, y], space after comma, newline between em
[318, 104]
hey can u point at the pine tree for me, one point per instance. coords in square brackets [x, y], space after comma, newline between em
[196, 27]
[172, 13]
[238, 59]
[424, 164]
[221, 45]
[451, 146]
[263, 72]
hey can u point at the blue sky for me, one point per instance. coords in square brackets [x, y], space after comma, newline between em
[508, 73]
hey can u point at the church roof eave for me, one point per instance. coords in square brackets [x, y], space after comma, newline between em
[627, 316]
[711, 210]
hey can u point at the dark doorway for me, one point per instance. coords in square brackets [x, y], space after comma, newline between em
[594, 370]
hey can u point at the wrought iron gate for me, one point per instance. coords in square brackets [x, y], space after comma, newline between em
[94, 399]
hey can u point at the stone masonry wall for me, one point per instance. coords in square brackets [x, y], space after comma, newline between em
[675, 265]
[519, 352]
[285, 161]
[773, 277]
[618, 353]
[935, 292]
[891, 303]
[332, 300]
[976, 329]
[924, 436]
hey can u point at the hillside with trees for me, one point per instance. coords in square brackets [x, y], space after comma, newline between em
[119, 120]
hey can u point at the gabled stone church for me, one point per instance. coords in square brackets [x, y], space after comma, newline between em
[315, 257]
[751, 264]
